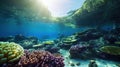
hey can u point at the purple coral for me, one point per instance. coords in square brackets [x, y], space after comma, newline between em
[77, 49]
[80, 51]
[38, 59]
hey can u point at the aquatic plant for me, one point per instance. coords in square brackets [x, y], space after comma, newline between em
[112, 50]
[10, 52]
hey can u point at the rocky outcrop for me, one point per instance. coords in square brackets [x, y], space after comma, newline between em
[97, 12]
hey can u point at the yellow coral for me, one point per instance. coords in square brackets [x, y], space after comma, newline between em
[113, 50]
[50, 42]
[10, 52]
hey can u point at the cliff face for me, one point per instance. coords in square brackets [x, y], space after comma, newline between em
[19, 10]
[97, 12]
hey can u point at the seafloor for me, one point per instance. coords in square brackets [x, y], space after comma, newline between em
[78, 50]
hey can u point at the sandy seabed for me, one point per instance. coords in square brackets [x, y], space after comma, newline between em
[84, 63]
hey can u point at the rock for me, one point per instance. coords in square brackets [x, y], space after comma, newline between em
[81, 52]
[19, 37]
[25, 42]
[111, 38]
[9, 39]
[72, 64]
[89, 34]
[116, 31]
[52, 49]
[92, 64]
[65, 46]
[78, 64]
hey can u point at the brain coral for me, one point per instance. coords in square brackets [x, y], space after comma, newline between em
[10, 52]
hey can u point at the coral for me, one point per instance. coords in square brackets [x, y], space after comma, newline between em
[89, 34]
[112, 50]
[52, 49]
[80, 51]
[50, 42]
[117, 42]
[67, 42]
[10, 52]
[109, 52]
[37, 45]
[70, 39]
[38, 58]
[25, 42]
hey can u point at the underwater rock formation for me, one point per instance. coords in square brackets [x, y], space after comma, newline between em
[111, 38]
[92, 63]
[52, 49]
[97, 13]
[81, 51]
[89, 34]
[38, 59]
[10, 52]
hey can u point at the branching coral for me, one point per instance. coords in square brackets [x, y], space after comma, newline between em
[10, 52]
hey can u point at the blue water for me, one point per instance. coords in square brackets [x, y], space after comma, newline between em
[41, 30]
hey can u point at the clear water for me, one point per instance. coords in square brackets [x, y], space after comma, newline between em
[41, 30]
[48, 30]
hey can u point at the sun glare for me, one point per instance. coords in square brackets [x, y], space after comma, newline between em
[55, 6]
[60, 8]
[48, 2]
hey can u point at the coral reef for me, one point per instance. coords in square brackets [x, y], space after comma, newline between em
[10, 52]
[67, 42]
[70, 39]
[89, 34]
[25, 42]
[38, 58]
